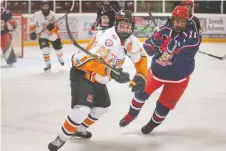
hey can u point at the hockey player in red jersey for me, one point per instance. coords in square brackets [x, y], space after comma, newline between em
[173, 49]
[7, 25]
[193, 21]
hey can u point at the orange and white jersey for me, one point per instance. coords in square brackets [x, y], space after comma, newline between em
[112, 51]
[39, 22]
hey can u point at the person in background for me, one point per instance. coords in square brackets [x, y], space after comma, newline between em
[7, 26]
[45, 19]
[105, 20]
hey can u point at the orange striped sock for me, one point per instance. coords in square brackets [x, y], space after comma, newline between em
[69, 127]
[88, 121]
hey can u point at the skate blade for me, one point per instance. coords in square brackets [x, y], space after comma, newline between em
[120, 127]
[79, 138]
[47, 71]
[6, 66]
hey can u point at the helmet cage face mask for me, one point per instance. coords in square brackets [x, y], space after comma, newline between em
[124, 25]
[124, 29]
[45, 9]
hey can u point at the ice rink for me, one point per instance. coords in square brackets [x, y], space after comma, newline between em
[35, 104]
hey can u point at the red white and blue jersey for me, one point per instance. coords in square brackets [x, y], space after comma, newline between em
[193, 22]
[180, 63]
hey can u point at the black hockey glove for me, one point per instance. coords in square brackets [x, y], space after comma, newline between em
[33, 36]
[50, 26]
[122, 77]
[140, 84]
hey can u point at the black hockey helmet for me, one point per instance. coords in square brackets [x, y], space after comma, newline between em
[45, 11]
[107, 4]
[124, 24]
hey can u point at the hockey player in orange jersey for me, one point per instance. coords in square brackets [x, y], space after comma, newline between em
[45, 19]
[90, 97]
[7, 25]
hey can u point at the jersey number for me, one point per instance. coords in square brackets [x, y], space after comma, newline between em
[192, 34]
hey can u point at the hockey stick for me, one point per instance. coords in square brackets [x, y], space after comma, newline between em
[94, 23]
[208, 54]
[146, 27]
[157, 28]
[88, 53]
[150, 15]
[71, 9]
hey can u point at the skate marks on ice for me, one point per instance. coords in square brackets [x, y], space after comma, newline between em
[113, 144]
[186, 138]
[177, 139]
[4, 66]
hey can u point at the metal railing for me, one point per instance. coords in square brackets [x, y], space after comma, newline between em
[163, 5]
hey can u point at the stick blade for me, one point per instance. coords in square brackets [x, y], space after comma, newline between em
[223, 58]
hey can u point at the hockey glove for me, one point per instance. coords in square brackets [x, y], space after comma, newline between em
[50, 26]
[151, 49]
[122, 77]
[140, 84]
[93, 27]
[33, 36]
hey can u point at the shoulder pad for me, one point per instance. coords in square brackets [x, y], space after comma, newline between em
[133, 45]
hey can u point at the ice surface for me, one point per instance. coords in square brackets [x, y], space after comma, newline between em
[34, 106]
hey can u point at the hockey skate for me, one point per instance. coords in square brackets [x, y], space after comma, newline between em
[61, 61]
[126, 120]
[79, 134]
[11, 64]
[47, 68]
[56, 144]
[147, 128]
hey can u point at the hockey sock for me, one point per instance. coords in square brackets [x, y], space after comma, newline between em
[68, 128]
[60, 57]
[87, 123]
[59, 54]
[74, 119]
[47, 59]
[46, 55]
[94, 115]
[159, 115]
[137, 103]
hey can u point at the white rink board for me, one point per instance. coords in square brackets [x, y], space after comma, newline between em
[35, 105]
[212, 25]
